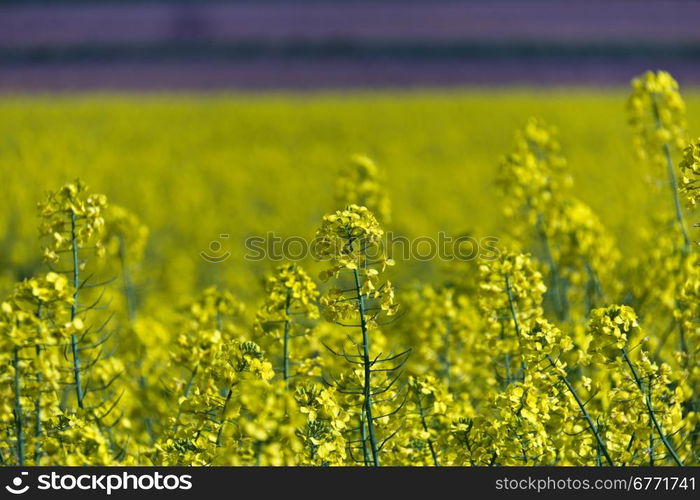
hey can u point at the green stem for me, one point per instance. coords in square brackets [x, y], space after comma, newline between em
[445, 353]
[511, 304]
[672, 181]
[74, 311]
[258, 449]
[650, 409]
[37, 405]
[148, 421]
[368, 372]
[363, 437]
[126, 278]
[425, 428]
[593, 287]
[18, 410]
[37, 416]
[185, 394]
[188, 387]
[594, 429]
[506, 362]
[514, 315]
[287, 340]
[681, 338]
[223, 418]
[559, 298]
[651, 434]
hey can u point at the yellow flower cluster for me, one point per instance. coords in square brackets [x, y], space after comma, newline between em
[657, 114]
[511, 287]
[291, 300]
[124, 235]
[690, 172]
[71, 215]
[441, 326]
[610, 329]
[361, 184]
[350, 240]
[323, 433]
[532, 174]
[562, 231]
[289, 292]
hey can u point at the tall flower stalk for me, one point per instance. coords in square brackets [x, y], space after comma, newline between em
[610, 330]
[657, 114]
[290, 303]
[72, 219]
[350, 242]
[125, 239]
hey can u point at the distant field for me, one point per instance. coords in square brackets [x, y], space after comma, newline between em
[194, 167]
